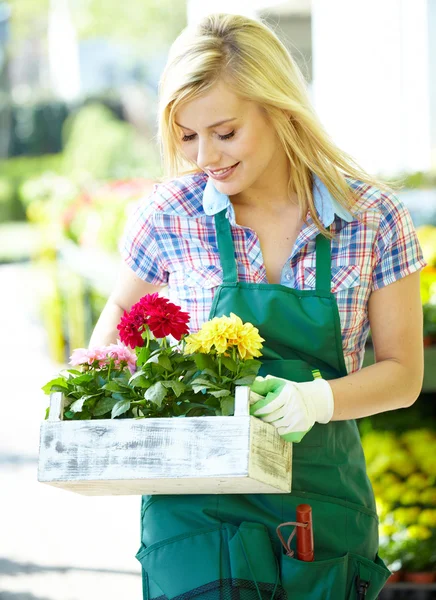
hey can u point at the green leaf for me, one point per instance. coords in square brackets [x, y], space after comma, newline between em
[198, 388]
[143, 356]
[68, 415]
[204, 361]
[77, 406]
[177, 386]
[59, 388]
[120, 407]
[59, 382]
[210, 372]
[140, 381]
[229, 363]
[165, 362]
[250, 366]
[248, 380]
[227, 406]
[156, 393]
[204, 382]
[112, 386]
[220, 393]
[104, 406]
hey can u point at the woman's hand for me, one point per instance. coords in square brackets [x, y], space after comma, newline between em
[291, 407]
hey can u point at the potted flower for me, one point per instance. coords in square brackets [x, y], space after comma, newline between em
[116, 422]
[419, 554]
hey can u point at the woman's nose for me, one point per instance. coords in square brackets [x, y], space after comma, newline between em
[207, 155]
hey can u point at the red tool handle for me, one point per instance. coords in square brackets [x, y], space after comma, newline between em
[305, 548]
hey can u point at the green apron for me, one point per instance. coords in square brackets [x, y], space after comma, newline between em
[225, 546]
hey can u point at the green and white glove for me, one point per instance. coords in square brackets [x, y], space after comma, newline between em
[291, 407]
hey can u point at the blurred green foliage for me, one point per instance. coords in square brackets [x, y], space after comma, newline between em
[13, 173]
[144, 25]
[99, 145]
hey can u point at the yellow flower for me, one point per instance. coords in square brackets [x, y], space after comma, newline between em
[418, 532]
[194, 343]
[428, 517]
[222, 334]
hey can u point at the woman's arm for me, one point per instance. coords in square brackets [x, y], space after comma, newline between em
[127, 291]
[395, 381]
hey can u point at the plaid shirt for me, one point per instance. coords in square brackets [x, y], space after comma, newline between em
[170, 239]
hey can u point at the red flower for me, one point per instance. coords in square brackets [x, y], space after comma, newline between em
[160, 315]
[168, 320]
[130, 334]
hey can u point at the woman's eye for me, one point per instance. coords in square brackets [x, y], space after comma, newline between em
[227, 136]
[189, 138]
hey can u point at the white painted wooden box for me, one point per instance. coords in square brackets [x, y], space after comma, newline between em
[194, 455]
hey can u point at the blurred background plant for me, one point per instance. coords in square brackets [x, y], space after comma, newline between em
[402, 469]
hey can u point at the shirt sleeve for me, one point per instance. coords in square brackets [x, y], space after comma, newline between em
[397, 248]
[139, 243]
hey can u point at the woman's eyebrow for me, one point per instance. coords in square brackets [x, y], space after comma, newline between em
[209, 126]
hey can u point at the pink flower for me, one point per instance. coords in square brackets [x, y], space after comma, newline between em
[90, 356]
[121, 354]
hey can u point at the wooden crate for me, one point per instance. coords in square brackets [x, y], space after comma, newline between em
[195, 455]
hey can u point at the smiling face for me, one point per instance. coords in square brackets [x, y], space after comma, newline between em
[246, 143]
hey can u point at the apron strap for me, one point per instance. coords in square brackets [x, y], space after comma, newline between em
[226, 247]
[323, 264]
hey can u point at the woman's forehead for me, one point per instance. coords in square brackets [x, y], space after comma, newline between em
[211, 109]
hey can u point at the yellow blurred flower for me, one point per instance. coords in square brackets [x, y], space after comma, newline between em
[427, 517]
[387, 529]
[395, 493]
[388, 479]
[402, 463]
[410, 497]
[428, 496]
[418, 532]
[382, 507]
[417, 481]
[417, 436]
[407, 516]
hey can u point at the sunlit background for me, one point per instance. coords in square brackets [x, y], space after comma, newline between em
[78, 94]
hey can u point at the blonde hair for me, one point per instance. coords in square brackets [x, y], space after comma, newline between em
[257, 66]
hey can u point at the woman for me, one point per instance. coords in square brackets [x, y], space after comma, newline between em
[265, 217]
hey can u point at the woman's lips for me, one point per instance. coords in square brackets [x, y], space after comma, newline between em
[224, 174]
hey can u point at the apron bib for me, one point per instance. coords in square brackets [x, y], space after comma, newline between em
[204, 546]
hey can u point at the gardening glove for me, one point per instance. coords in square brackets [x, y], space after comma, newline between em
[291, 407]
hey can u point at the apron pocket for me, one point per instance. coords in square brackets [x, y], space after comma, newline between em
[252, 559]
[188, 564]
[333, 579]
[371, 575]
[318, 580]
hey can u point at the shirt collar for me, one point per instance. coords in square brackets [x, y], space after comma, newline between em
[326, 206]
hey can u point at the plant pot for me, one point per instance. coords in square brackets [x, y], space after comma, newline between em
[395, 577]
[238, 454]
[420, 576]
